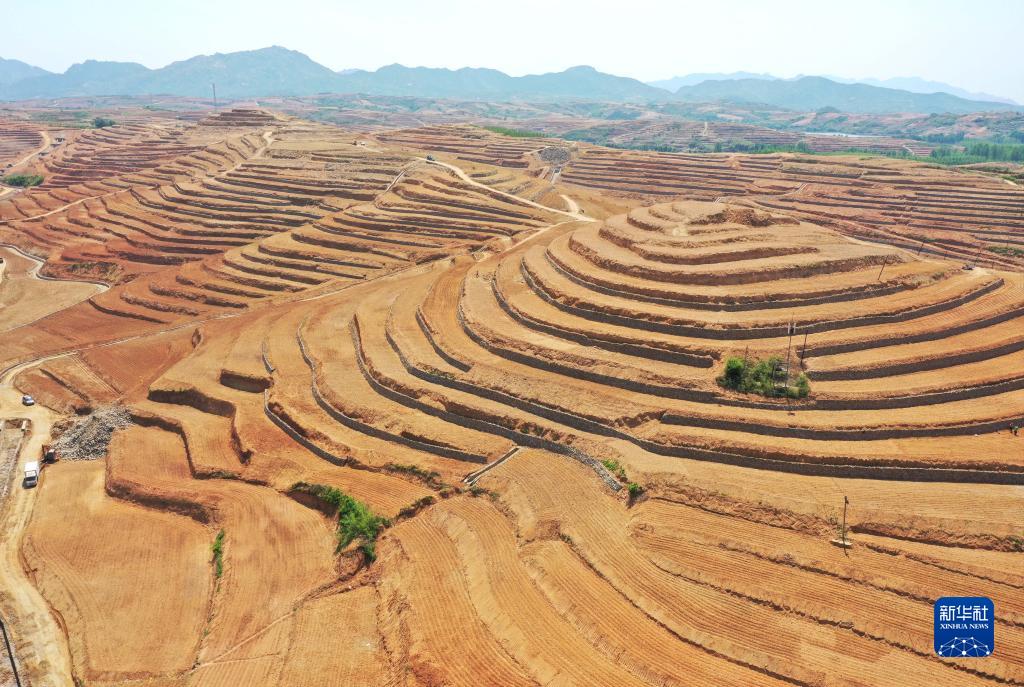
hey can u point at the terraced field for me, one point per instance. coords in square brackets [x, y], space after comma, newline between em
[17, 141]
[932, 210]
[468, 143]
[528, 392]
[672, 133]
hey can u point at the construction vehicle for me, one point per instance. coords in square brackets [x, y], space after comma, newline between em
[49, 454]
[31, 474]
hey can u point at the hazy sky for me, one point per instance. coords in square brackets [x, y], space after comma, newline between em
[974, 44]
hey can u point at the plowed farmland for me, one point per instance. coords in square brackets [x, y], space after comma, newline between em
[480, 418]
[922, 208]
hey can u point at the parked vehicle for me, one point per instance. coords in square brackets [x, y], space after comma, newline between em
[49, 454]
[31, 474]
[430, 158]
[27, 400]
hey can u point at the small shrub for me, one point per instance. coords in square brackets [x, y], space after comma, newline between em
[416, 506]
[102, 122]
[23, 180]
[734, 369]
[800, 389]
[614, 467]
[218, 554]
[634, 490]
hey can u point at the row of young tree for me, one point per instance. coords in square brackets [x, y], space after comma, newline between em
[981, 151]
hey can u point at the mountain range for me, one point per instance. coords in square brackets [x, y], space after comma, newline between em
[12, 71]
[904, 83]
[817, 92]
[277, 71]
[676, 82]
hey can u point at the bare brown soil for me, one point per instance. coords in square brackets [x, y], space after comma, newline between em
[293, 302]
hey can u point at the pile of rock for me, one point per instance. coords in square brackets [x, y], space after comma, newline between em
[89, 437]
[555, 155]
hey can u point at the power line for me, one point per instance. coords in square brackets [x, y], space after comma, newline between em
[10, 653]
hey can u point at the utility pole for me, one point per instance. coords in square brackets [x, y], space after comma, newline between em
[803, 351]
[842, 541]
[846, 502]
[884, 263]
[214, 95]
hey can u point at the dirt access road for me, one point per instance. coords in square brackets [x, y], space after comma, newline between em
[573, 212]
[42, 149]
[10, 190]
[26, 296]
[39, 640]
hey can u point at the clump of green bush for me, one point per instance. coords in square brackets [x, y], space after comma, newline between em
[218, 554]
[431, 478]
[23, 180]
[766, 377]
[356, 522]
[634, 490]
[614, 467]
[102, 122]
[515, 133]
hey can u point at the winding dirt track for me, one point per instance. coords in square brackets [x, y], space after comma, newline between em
[39, 640]
[573, 212]
[26, 296]
[10, 190]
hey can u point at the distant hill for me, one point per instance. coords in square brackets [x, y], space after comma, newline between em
[815, 92]
[908, 83]
[916, 85]
[16, 70]
[253, 73]
[676, 82]
[482, 84]
[396, 79]
[88, 78]
[277, 71]
[270, 71]
[587, 82]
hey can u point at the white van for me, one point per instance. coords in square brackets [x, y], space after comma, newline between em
[31, 474]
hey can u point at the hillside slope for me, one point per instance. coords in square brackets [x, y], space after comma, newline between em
[815, 92]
